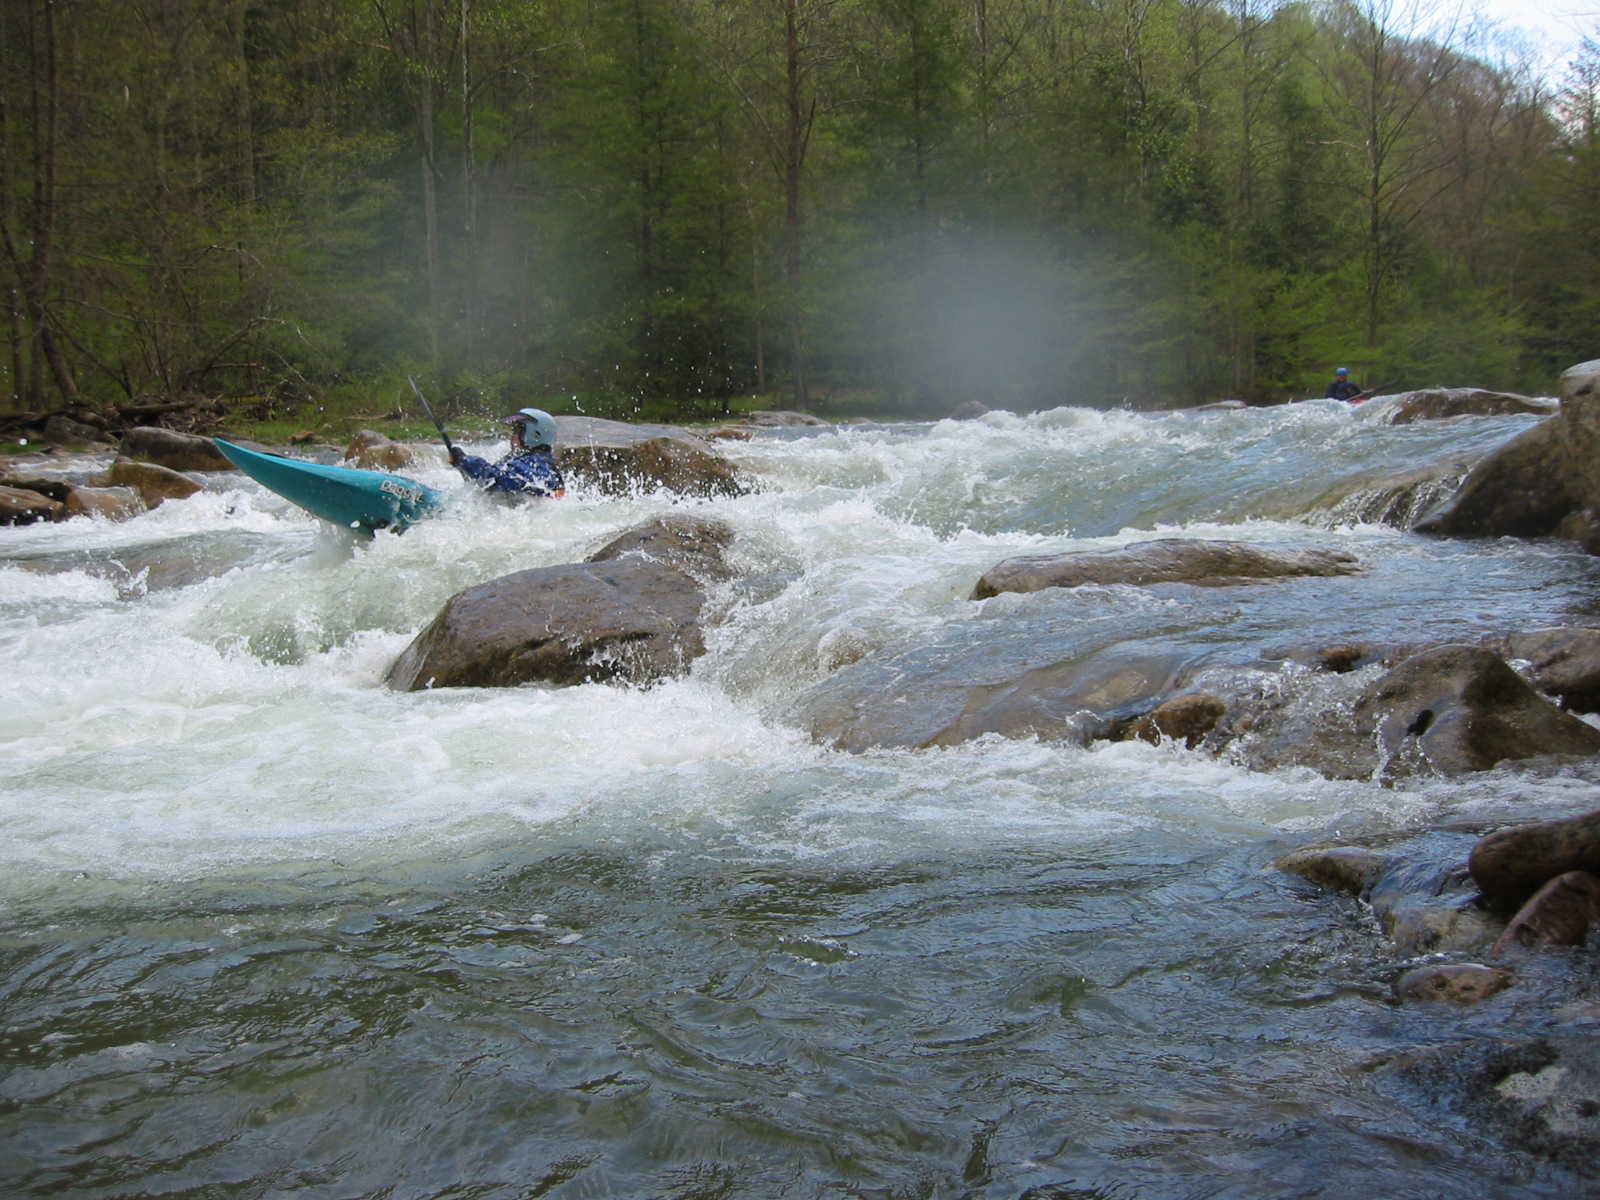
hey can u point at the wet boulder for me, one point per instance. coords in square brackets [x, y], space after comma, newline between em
[632, 614]
[1578, 425]
[373, 452]
[1384, 497]
[1457, 709]
[23, 506]
[1561, 662]
[1349, 870]
[1510, 865]
[618, 458]
[110, 503]
[1561, 913]
[1186, 719]
[153, 483]
[1519, 490]
[1436, 404]
[1165, 560]
[173, 450]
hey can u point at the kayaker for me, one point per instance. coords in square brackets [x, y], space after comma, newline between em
[528, 468]
[1342, 387]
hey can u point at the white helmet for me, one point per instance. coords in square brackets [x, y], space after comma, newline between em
[538, 427]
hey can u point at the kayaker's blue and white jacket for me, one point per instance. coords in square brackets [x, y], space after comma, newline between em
[531, 473]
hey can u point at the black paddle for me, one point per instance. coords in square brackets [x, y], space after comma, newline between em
[448, 445]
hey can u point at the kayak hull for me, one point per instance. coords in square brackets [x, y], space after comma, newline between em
[346, 496]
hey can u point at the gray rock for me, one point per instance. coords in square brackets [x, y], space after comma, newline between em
[926, 697]
[1519, 490]
[629, 617]
[1166, 560]
[1579, 426]
[1563, 662]
[64, 431]
[1457, 709]
[1433, 404]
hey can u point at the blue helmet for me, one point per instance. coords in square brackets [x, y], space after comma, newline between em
[538, 427]
[1340, 371]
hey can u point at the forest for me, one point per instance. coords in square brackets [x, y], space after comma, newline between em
[660, 206]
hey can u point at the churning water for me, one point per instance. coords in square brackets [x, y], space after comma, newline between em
[267, 928]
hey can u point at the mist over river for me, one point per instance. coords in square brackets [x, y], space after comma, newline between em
[268, 928]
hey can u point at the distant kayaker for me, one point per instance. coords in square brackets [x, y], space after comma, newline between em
[1342, 387]
[529, 467]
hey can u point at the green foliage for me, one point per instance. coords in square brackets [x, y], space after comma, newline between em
[651, 209]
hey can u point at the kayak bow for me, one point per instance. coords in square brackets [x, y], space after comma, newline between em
[346, 496]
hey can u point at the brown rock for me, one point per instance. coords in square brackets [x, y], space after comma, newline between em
[374, 452]
[1561, 913]
[22, 506]
[1434, 404]
[1340, 659]
[153, 483]
[1512, 864]
[1451, 983]
[175, 451]
[113, 503]
[1166, 560]
[1351, 870]
[1188, 718]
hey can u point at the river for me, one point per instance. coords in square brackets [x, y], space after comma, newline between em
[270, 929]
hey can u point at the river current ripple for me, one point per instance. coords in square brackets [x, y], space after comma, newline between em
[267, 928]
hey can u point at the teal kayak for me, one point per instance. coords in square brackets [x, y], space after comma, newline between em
[347, 496]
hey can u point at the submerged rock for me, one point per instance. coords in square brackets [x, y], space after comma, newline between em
[925, 697]
[1166, 560]
[1351, 870]
[1541, 1097]
[1458, 983]
[631, 613]
[1182, 718]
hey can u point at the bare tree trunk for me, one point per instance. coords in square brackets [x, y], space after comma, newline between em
[797, 131]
